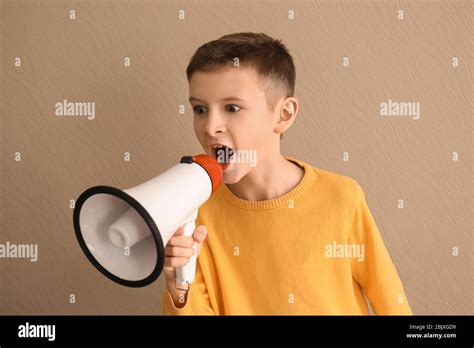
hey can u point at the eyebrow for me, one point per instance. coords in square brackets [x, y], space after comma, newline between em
[223, 99]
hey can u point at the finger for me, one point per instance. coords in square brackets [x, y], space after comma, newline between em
[176, 261]
[181, 241]
[179, 231]
[174, 251]
[169, 272]
[168, 269]
[200, 233]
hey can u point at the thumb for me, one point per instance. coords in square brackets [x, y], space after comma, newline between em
[199, 235]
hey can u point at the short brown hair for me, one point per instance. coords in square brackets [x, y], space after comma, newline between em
[268, 56]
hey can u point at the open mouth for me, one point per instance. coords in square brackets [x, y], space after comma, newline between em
[223, 154]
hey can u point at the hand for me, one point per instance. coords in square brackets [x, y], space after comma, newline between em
[180, 249]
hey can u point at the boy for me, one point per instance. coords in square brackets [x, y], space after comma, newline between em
[283, 237]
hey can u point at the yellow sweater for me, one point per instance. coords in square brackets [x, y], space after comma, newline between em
[314, 250]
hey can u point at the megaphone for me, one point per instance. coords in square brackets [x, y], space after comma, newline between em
[123, 233]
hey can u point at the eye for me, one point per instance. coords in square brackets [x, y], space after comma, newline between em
[233, 107]
[199, 109]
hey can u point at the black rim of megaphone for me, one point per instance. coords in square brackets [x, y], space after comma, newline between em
[144, 214]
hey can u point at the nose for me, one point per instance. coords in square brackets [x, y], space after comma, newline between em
[213, 124]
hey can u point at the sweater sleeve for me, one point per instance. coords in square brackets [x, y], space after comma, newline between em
[198, 302]
[376, 273]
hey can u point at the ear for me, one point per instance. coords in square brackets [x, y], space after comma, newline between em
[287, 114]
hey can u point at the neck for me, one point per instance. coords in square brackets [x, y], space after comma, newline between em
[272, 178]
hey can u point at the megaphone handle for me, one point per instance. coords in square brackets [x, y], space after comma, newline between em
[185, 275]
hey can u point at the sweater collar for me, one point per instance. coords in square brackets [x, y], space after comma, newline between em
[308, 179]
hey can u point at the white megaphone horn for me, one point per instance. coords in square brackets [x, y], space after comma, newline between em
[124, 232]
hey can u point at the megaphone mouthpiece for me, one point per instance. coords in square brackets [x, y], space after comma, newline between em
[210, 165]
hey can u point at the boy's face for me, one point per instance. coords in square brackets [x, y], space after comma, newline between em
[231, 109]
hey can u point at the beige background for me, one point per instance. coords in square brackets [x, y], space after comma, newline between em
[392, 158]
